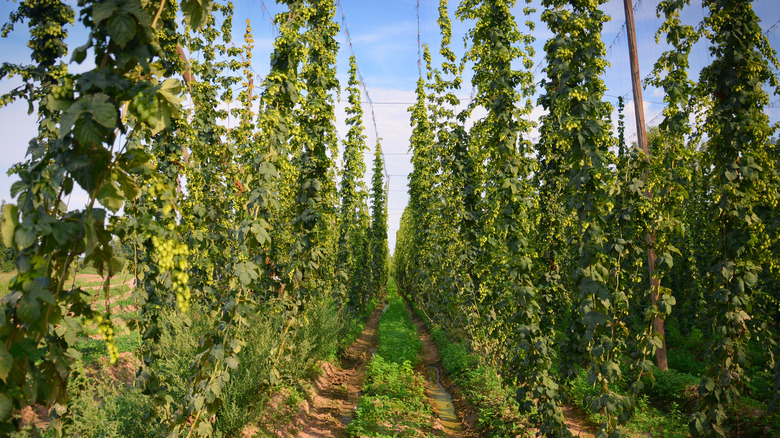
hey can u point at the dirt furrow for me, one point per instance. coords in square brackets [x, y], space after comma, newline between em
[463, 421]
[466, 413]
[577, 423]
[336, 392]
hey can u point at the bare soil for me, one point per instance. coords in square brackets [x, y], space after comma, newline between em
[577, 422]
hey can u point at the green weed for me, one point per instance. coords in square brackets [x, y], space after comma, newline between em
[101, 407]
[394, 403]
[683, 360]
[397, 336]
[671, 422]
[674, 386]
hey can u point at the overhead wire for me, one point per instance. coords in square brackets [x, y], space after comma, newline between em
[621, 30]
[270, 17]
[771, 28]
[611, 45]
[362, 81]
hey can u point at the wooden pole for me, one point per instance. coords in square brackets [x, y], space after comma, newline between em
[636, 83]
[641, 135]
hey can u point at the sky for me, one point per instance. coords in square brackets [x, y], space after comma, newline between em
[384, 38]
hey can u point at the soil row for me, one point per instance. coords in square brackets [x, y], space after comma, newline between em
[335, 394]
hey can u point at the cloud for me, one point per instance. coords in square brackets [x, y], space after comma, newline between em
[394, 129]
[384, 34]
[653, 117]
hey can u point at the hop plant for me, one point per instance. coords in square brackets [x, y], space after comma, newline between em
[64, 90]
[172, 257]
[145, 106]
[105, 328]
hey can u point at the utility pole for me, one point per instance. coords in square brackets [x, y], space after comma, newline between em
[641, 135]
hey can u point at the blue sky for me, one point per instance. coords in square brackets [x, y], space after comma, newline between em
[384, 38]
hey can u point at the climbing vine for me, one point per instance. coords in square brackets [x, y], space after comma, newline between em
[534, 253]
[739, 131]
[91, 126]
[353, 239]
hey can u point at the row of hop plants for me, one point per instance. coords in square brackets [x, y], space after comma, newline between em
[226, 194]
[567, 254]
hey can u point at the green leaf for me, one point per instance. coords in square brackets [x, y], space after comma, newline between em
[70, 115]
[668, 260]
[6, 407]
[204, 429]
[261, 234]
[235, 345]
[88, 133]
[196, 12]
[103, 111]
[80, 53]
[24, 237]
[231, 362]
[135, 9]
[197, 403]
[127, 185]
[136, 161]
[28, 310]
[273, 376]
[6, 361]
[9, 224]
[246, 272]
[594, 318]
[122, 29]
[103, 10]
[170, 90]
[57, 104]
[110, 196]
[218, 352]
[750, 278]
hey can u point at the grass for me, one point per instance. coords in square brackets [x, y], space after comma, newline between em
[5, 279]
[397, 335]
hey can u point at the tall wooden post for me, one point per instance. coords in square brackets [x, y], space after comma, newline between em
[641, 135]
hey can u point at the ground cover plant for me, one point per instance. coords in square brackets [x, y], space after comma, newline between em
[394, 402]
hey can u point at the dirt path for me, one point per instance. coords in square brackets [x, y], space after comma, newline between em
[577, 423]
[575, 419]
[337, 391]
[466, 418]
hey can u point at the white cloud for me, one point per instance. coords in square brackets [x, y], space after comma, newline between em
[394, 129]
[387, 33]
[653, 116]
